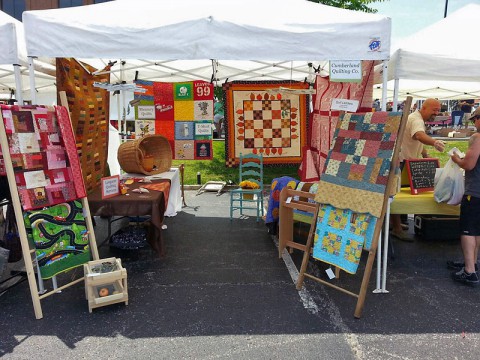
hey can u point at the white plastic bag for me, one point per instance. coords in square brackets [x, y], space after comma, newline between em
[449, 184]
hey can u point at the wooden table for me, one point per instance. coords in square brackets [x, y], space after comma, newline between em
[152, 204]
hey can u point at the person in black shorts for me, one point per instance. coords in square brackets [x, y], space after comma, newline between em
[470, 207]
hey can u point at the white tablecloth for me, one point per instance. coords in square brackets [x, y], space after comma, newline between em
[175, 196]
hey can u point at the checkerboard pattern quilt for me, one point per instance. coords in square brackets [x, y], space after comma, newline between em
[260, 119]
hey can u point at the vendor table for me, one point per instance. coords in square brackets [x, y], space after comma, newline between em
[175, 195]
[152, 203]
[406, 203]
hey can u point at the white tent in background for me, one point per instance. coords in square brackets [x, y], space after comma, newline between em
[439, 58]
[249, 39]
[13, 61]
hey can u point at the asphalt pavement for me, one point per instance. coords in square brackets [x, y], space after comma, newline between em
[222, 292]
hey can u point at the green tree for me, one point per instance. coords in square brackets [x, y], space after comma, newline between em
[360, 5]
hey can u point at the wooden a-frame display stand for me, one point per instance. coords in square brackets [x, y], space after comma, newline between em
[376, 235]
[27, 252]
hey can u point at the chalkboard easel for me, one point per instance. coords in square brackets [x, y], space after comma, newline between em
[421, 174]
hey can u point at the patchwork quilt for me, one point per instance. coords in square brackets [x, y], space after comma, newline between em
[324, 120]
[182, 112]
[44, 158]
[358, 165]
[340, 236]
[260, 119]
[89, 109]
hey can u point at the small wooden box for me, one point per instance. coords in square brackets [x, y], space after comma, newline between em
[105, 282]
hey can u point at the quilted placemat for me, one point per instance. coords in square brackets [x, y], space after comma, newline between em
[60, 236]
[46, 167]
[259, 119]
[89, 110]
[340, 236]
[358, 165]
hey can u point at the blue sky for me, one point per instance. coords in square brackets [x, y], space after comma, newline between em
[410, 16]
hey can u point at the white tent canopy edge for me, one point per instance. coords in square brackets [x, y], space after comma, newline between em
[186, 30]
[438, 59]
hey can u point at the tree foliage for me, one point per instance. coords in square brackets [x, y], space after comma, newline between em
[359, 5]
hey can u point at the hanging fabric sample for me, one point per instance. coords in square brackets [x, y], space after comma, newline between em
[60, 237]
[261, 118]
[89, 109]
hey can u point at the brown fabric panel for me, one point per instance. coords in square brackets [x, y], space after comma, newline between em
[89, 111]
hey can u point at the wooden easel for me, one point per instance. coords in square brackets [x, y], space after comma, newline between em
[27, 252]
[378, 228]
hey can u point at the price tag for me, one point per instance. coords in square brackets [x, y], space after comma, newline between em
[330, 273]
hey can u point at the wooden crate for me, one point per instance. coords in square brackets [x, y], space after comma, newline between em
[105, 282]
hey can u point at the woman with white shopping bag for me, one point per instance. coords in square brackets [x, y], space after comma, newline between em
[470, 207]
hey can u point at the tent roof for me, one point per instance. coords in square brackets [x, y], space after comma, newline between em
[208, 29]
[14, 51]
[11, 41]
[424, 89]
[445, 50]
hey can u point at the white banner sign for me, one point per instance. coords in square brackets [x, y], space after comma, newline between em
[345, 105]
[346, 70]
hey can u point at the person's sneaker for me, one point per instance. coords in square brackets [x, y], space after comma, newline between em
[463, 277]
[458, 265]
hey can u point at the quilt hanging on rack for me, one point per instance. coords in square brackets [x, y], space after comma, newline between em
[181, 111]
[358, 165]
[43, 154]
[60, 237]
[89, 109]
[260, 118]
[324, 119]
[340, 236]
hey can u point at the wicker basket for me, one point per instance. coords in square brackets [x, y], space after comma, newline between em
[131, 155]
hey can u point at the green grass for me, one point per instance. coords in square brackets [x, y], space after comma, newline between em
[215, 170]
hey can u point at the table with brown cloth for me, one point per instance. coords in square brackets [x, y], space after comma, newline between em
[152, 203]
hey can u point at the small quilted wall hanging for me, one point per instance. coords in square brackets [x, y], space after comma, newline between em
[60, 237]
[43, 154]
[260, 119]
[182, 112]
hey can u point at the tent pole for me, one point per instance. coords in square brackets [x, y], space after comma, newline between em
[395, 94]
[18, 84]
[31, 73]
[123, 121]
[384, 84]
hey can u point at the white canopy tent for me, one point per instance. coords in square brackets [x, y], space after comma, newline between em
[13, 61]
[440, 61]
[248, 39]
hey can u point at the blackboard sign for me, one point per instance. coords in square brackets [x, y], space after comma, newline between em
[421, 174]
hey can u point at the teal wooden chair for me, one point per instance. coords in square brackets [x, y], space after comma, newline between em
[251, 169]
